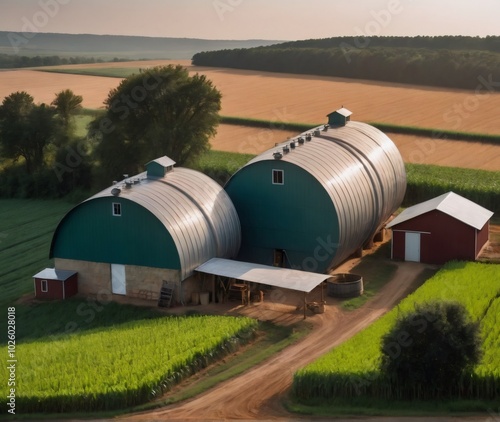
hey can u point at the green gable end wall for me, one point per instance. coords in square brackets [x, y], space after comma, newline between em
[90, 232]
[297, 216]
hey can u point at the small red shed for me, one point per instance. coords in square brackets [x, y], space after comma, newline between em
[439, 230]
[55, 284]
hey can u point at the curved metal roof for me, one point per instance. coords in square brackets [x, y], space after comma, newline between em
[195, 210]
[360, 168]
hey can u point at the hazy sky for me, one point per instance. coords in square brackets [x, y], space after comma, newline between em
[251, 19]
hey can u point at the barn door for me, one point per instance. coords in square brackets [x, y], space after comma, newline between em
[412, 247]
[118, 281]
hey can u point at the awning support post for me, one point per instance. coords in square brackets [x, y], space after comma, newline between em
[305, 305]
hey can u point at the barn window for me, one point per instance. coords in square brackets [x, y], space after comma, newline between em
[278, 177]
[117, 209]
[44, 286]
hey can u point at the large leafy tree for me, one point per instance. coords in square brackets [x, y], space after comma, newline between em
[159, 111]
[431, 348]
[67, 104]
[26, 129]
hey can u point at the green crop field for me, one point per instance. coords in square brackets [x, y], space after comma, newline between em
[121, 365]
[26, 229]
[352, 369]
[428, 181]
[221, 165]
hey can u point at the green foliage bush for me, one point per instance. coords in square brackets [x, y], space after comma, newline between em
[431, 348]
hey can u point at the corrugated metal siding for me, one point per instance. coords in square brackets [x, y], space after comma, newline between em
[361, 170]
[195, 210]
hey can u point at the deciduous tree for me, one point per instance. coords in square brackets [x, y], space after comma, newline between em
[67, 104]
[159, 111]
[26, 129]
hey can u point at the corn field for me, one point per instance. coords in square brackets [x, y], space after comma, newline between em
[123, 365]
[428, 181]
[352, 369]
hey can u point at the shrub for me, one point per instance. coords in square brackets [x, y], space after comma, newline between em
[431, 348]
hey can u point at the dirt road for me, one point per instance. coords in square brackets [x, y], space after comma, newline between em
[257, 394]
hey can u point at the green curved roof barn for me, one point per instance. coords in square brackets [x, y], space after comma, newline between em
[165, 218]
[312, 201]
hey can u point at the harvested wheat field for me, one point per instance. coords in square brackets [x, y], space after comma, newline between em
[43, 86]
[298, 98]
[248, 140]
[473, 155]
[414, 149]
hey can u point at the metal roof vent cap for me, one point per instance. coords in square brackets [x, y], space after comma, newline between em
[308, 137]
[286, 149]
[317, 133]
[292, 144]
[277, 155]
[301, 141]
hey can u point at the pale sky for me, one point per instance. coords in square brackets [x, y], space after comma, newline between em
[253, 19]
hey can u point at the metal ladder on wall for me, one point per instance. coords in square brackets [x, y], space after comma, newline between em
[166, 293]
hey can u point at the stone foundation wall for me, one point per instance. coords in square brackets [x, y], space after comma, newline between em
[146, 282]
[141, 282]
[93, 277]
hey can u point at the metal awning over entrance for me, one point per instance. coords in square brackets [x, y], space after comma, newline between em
[286, 278]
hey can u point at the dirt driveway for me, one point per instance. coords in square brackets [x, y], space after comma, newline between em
[257, 394]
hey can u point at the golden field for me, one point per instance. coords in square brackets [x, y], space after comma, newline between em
[304, 98]
[413, 149]
[297, 98]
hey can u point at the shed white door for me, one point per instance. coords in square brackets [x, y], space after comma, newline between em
[118, 280]
[412, 247]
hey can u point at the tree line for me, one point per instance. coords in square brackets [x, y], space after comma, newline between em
[445, 42]
[9, 61]
[159, 111]
[349, 58]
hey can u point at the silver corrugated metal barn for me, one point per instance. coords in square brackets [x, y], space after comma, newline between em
[158, 225]
[313, 200]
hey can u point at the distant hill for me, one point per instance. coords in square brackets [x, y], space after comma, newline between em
[107, 47]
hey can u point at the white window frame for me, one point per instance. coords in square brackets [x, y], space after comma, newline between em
[118, 207]
[278, 171]
[42, 283]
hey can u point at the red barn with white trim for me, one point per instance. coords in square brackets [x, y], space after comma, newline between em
[448, 227]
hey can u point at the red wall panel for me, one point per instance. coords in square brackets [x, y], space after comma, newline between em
[448, 238]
